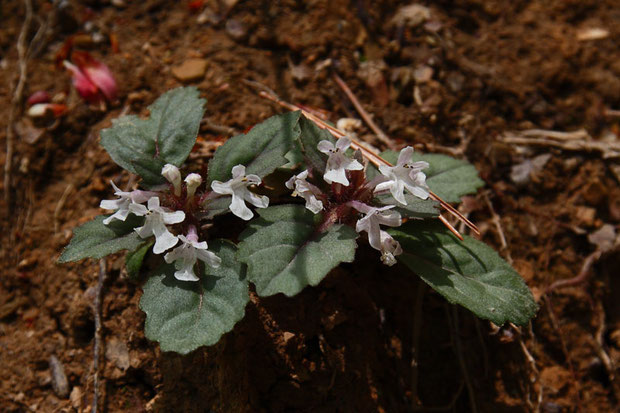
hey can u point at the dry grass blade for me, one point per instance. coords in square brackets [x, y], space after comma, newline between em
[22, 53]
[360, 109]
[578, 141]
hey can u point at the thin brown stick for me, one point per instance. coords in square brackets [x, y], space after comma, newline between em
[583, 275]
[98, 347]
[370, 155]
[16, 101]
[365, 116]
[579, 141]
[498, 226]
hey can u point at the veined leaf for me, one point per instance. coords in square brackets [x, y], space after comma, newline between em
[133, 259]
[284, 253]
[144, 146]
[183, 316]
[96, 240]
[468, 272]
[261, 150]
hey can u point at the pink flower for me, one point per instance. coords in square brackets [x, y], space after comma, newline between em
[91, 78]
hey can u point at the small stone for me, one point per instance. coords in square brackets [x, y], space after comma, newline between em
[235, 29]
[190, 70]
[286, 336]
[604, 238]
[411, 15]
[585, 215]
[423, 74]
[76, 398]
[60, 384]
[116, 351]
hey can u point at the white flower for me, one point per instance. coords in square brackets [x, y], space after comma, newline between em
[338, 162]
[121, 205]
[389, 248]
[238, 188]
[185, 256]
[173, 175]
[192, 181]
[405, 175]
[155, 224]
[375, 217]
[305, 190]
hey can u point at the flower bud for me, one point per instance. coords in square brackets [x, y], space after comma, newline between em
[192, 181]
[173, 175]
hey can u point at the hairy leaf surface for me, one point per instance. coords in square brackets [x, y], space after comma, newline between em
[183, 316]
[284, 253]
[469, 272]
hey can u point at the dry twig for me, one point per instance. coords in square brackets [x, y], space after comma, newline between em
[22, 53]
[578, 140]
[498, 226]
[98, 347]
[365, 116]
[583, 275]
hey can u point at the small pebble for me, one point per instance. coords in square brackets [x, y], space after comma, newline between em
[60, 384]
[190, 70]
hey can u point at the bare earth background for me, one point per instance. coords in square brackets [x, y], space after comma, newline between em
[456, 81]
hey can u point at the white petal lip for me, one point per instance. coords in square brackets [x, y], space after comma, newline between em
[305, 190]
[403, 176]
[155, 224]
[338, 162]
[238, 188]
[186, 255]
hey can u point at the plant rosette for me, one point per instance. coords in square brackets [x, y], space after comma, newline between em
[198, 287]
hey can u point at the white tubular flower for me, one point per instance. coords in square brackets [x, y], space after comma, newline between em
[405, 175]
[389, 249]
[305, 190]
[155, 224]
[192, 181]
[185, 256]
[121, 205]
[375, 217]
[338, 162]
[238, 188]
[173, 175]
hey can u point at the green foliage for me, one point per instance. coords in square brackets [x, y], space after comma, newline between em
[468, 272]
[447, 177]
[144, 146]
[284, 253]
[183, 316]
[133, 260]
[96, 240]
[261, 150]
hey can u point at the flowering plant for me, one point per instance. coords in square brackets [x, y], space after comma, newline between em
[199, 286]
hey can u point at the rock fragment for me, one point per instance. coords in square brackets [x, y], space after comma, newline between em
[190, 70]
[60, 384]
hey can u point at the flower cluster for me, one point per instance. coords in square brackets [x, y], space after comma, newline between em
[349, 188]
[175, 211]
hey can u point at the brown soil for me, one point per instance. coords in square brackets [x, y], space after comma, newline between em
[346, 345]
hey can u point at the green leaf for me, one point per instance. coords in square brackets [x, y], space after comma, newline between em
[261, 150]
[133, 259]
[284, 253]
[96, 240]
[447, 177]
[144, 146]
[183, 316]
[415, 208]
[469, 272]
[216, 206]
[310, 137]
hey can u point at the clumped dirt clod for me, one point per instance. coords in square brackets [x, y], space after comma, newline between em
[468, 78]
